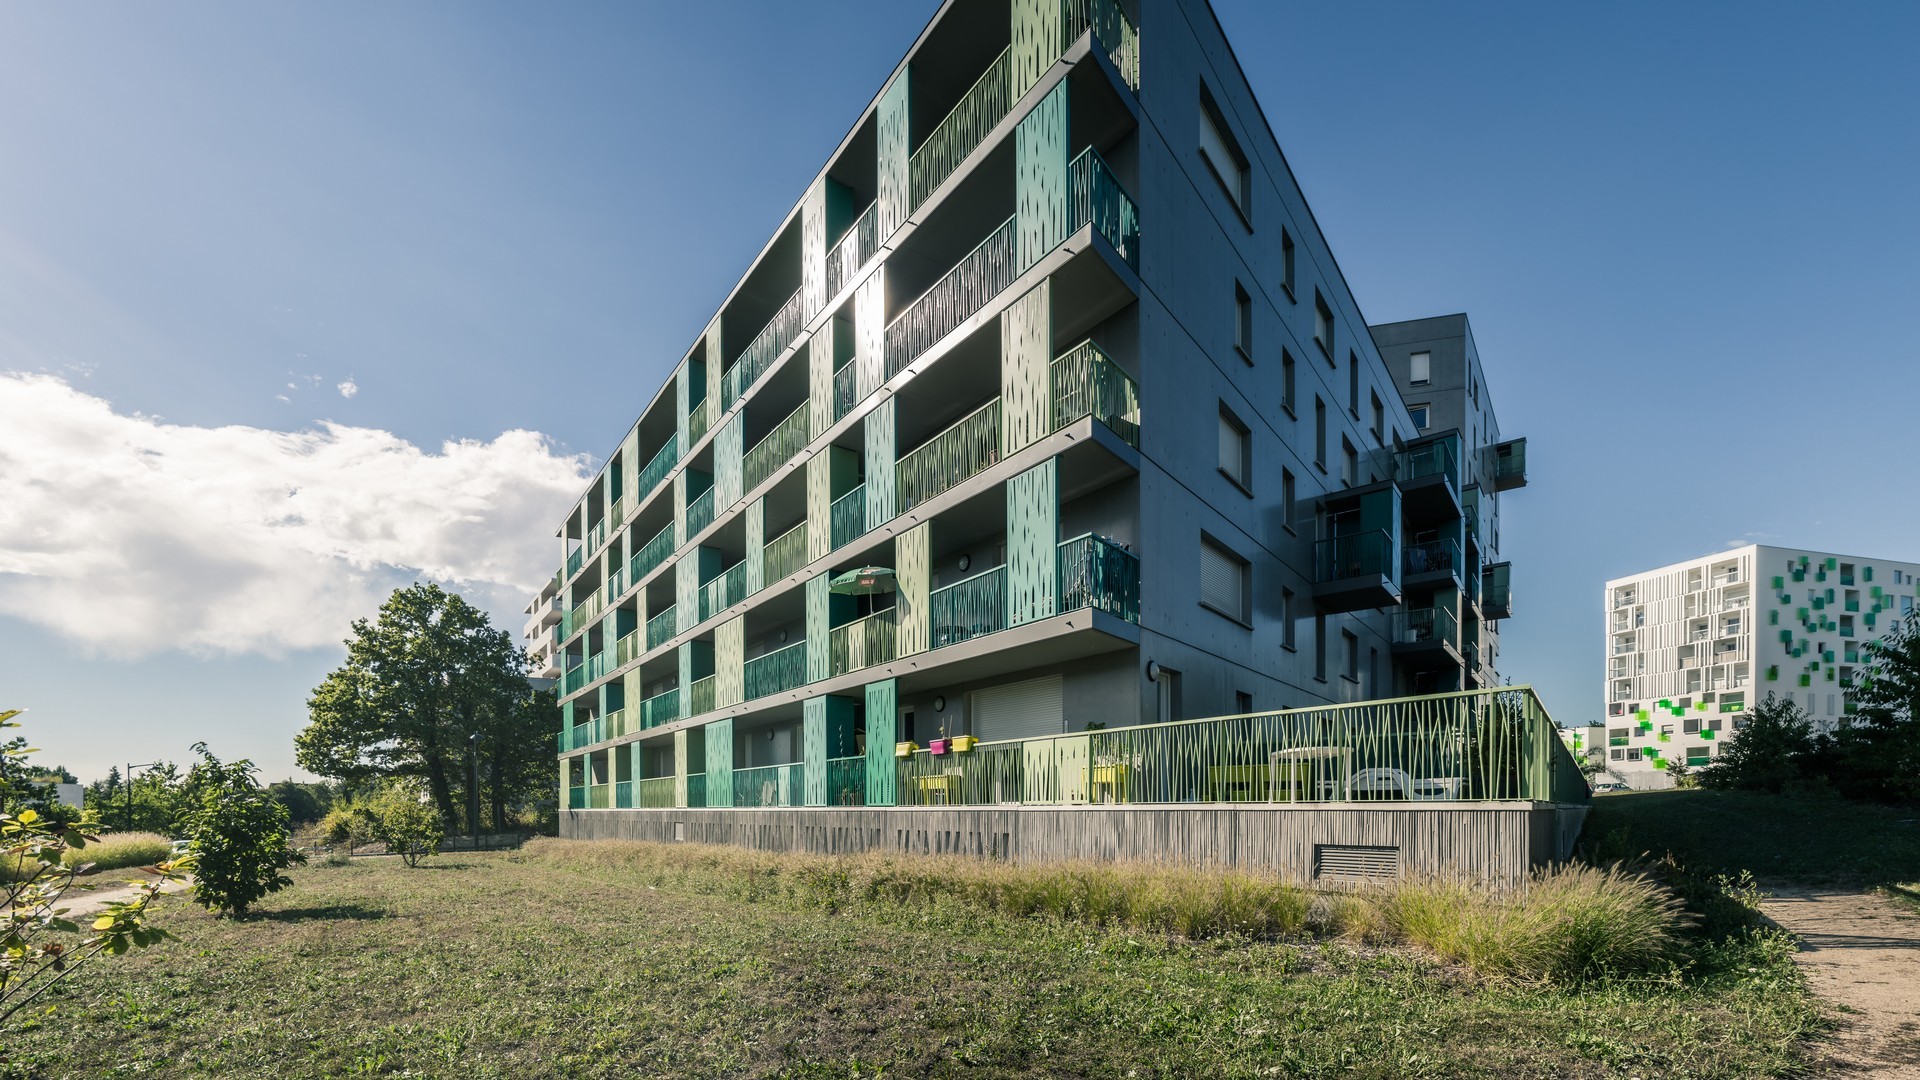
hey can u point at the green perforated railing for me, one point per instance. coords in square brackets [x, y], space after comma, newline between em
[967, 446]
[662, 627]
[968, 608]
[775, 449]
[1096, 573]
[846, 389]
[656, 793]
[724, 590]
[651, 554]
[847, 781]
[782, 669]
[699, 512]
[661, 708]
[853, 250]
[700, 696]
[1112, 28]
[985, 104]
[977, 278]
[784, 554]
[769, 785]
[764, 349]
[657, 467]
[864, 642]
[697, 419]
[848, 517]
[1086, 382]
[1095, 197]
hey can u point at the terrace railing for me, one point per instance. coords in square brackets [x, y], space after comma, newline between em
[847, 781]
[1415, 626]
[661, 708]
[1354, 555]
[1086, 382]
[651, 554]
[848, 517]
[662, 627]
[769, 785]
[1476, 745]
[623, 794]
[985, 104]
[700, 696]
[697, 420]
[967, 446]
[600, 796]
[723, 590]
[846, 389]
[576, 798]
[976, 279]
[1433, 459]
[1095, 197]
[629, 648]
[656, 793]
[1431, 556]
[1097, 573]
[697, 789]
[968, 608]
[853, 251]
[764, 349]
[700, 512]
[657, 468]
[782, 669]
[775, 449]
[864, 642]
[784, 554]
[1114, 31]
[575, 559]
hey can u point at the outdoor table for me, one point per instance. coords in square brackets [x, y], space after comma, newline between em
[1305, 758]
[946, 784]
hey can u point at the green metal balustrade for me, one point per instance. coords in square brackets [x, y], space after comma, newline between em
[769, 785]
[1433, 459]
[847, 781]
[700, 696]
[846, 389]
[784, 554]
[985, 104]
[1095, 197]
[764, 349]
[967, 609]
[651, 554]
[1414, 626]
[697, 789]
[864, 642]
[661, 708]
[782, 669]
[1431, 556]
[1086, 382]
[977, 278]
[848, 517]
[577, 798]
[697, 420]
[1355, 555]
[699, 512]
[657, 467]
[662, 627]
[600, 796]
[776, 448]
[969, 445]
[575, 559]
[1097, 573]
[724, 590]
[1113, 29]
[1475, 745]
[623, 795]
[656, 793]
[853, 250]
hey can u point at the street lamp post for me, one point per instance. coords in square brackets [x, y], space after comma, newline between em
[473, 788]
[130, 768]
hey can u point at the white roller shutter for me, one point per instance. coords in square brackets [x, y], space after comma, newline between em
[1221, 580]
[1020, 710]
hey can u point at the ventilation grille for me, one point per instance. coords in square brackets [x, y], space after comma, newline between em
[1344, 862]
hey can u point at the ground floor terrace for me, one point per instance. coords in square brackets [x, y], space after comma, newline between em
[1475, 782]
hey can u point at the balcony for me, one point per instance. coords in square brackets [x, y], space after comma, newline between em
[1095, 197]
[976, 279]
[651, 554]
[1355, 572]
[662, 627]
[697, 789]
[1510, 465]
[723, 590]
[699, 512]
[963, 129]
[628, 649]
[1429, 477]
[1097, 573]
[853, 251]
[577, 798]
[769, 785]
[846, 389]
[1426, 638]
[1114, 31]
[1086, 382]
[551, 612]
[1497, 591]
[847, 781]
[784, 554]
[967, 609]
[969, 445]
[848, 517]
[661, 708]
[697, 421]
[782, 669]
[764, 349]
[775, 449]
[1430, 563]
[576, 559]
[864, 642]
[656, 469]
[656, 793]
[700, 696]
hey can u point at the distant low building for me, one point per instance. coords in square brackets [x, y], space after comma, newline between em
[1693, 645]
[74, 795]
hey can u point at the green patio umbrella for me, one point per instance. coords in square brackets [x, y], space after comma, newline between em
[864, 581]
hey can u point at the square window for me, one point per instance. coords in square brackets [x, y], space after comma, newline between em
[1420, 414]
[1223, 580]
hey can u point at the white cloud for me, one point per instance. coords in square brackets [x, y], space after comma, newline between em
[132, 536]
[349, 388]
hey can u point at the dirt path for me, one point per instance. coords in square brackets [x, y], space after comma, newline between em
[117, 887]
[1860, 951]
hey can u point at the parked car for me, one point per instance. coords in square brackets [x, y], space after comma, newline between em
[1600, 788]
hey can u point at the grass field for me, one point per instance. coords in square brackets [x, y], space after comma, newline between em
[535, 964]
[1780, 838]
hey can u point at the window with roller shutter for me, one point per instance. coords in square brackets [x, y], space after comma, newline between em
[1223, 580]
[1022, 710]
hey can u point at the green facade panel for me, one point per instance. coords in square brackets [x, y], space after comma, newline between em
[894, 147]
[813, 742]
[1026, 364]
[870, 333]
[819, 504]
[755, 523]
[913, 574]
[1033, 538]
[1038, 31]
[1040, 153]
[818, 627]
[882, 450]
[719, 738]
[820, 377]
[883, 731]
[727, 452]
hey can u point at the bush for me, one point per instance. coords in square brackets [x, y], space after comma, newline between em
[115, 851]
[240, 836]
[409, 826]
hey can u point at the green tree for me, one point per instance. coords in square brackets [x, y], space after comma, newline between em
[420, 679]
[240, 835]
[1769, 754]
[150, 803]
[36, 947]
[305, 803]
[1877, 756]
[405, 821]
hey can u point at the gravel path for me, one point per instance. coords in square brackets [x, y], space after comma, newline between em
[1860, 951]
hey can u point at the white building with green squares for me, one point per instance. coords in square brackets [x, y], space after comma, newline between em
[1693, 645]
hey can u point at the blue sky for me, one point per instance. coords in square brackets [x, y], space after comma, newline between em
[315, 253]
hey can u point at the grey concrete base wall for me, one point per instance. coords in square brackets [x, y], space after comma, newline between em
[1496, 842]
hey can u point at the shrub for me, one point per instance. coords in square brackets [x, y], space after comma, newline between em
[115, 851]
[240, 836]
[409, 826]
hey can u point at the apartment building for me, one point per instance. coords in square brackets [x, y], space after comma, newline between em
[1046, 409]
[1693, 645]
[542, 630]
